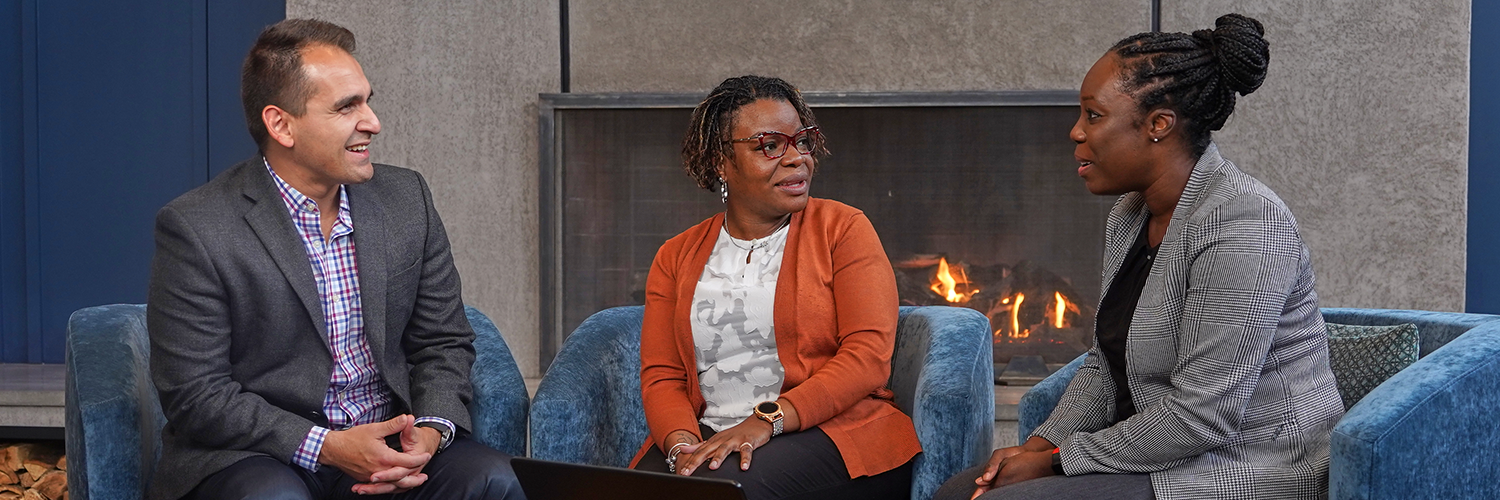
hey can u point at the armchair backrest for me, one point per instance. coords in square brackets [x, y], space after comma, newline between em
[1436, 328]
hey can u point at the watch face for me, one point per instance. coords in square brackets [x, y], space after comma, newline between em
[768, 407]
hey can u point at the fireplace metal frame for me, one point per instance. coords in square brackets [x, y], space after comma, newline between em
[550, 196]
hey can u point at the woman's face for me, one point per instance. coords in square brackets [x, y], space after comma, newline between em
[766, 188]
[1113, 138]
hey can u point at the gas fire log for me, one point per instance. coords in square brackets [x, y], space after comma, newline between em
[8, 477]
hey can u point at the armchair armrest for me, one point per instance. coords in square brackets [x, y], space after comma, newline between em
[588, 407]
[1037, 404]
[1427, 432]
[942, 372]
[114, 418]
[499, 408]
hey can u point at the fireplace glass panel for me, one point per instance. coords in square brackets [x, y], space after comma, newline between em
[989, 194]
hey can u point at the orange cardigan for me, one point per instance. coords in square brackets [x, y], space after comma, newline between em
[835, 321]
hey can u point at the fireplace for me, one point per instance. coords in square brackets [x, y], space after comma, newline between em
[974, 194]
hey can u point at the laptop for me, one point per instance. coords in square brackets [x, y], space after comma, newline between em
[547, 480]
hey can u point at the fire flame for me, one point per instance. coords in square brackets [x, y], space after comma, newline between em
[1057, 315]
[1015, 318]
[947, 284]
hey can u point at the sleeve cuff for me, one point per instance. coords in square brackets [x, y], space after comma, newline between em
[306, 455]
[447, 436]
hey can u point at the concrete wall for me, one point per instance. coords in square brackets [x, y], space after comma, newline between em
[1361, 126]
[455, 87]
[692, 45]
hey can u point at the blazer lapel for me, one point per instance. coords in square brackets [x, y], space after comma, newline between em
[370, 256]
[1124, 223]
[269, 219]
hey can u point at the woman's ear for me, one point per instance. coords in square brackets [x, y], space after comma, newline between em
[1161, 122]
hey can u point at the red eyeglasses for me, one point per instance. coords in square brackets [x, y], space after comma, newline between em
[774, 144]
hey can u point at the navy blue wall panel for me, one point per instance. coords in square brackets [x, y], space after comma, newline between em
[118, 135]
[1483, 294]
[13, 287]
[234, 24]
[125, 105]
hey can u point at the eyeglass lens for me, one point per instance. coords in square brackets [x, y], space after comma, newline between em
[774, 144]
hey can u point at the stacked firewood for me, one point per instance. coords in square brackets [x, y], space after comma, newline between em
[33, 471]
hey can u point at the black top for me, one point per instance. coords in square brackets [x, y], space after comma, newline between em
[1115, 312]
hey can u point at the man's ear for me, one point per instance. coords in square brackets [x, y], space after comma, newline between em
[278, 125]
[1161, 122]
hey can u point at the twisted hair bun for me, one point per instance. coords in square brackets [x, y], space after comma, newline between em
[1239, 45]
[1196, 75]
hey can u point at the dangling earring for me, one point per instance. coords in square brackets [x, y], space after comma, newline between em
[723, 191]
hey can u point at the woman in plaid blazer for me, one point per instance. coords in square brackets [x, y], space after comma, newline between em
[1209, 375]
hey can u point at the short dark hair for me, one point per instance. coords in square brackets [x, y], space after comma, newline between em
[272, 74]
[1196, 75]
[706, 144]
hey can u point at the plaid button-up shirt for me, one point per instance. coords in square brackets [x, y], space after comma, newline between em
[356, 394]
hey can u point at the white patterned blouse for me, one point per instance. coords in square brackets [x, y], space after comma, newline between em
[733, 332]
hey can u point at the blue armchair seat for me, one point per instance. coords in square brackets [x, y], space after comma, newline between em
[1429, 431]
[588, 406]
[114, 418]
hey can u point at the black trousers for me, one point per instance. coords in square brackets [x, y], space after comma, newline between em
[796, 466]
[465, 470]
[1084, 487]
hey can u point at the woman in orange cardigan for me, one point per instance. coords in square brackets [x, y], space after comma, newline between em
[769, 327]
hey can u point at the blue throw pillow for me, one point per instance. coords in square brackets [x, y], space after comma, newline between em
[1364, 356]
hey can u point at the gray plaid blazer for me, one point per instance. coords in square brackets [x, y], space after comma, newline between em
[1228, 356]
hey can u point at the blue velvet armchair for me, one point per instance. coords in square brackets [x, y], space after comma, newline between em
[114, 418]
[1427, 432]
[588, 406]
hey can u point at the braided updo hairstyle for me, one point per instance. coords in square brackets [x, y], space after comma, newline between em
[706, 145]
[1196, 75]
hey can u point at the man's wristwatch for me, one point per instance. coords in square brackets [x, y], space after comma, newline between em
[443, 430]
[770, 411]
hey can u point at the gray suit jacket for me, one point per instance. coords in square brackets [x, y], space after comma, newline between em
[1227, 353]
[239, 351]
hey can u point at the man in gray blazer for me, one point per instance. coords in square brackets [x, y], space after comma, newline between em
[308, 337]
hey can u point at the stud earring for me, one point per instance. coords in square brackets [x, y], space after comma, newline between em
[723, 191]
[1155, 139]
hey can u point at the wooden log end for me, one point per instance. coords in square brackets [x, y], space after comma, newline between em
[52, 484]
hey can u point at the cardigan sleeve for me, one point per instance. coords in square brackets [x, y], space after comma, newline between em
[865, 304]
[664, 378]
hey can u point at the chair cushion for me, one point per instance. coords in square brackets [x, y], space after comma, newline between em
[1365, 356]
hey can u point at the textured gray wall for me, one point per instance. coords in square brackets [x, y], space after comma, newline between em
[455, 88]
[1362, 128]
[881, 45]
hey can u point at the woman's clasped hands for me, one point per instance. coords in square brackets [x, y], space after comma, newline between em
[1014, 464]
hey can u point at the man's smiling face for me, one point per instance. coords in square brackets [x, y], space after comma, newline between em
[331, 138]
